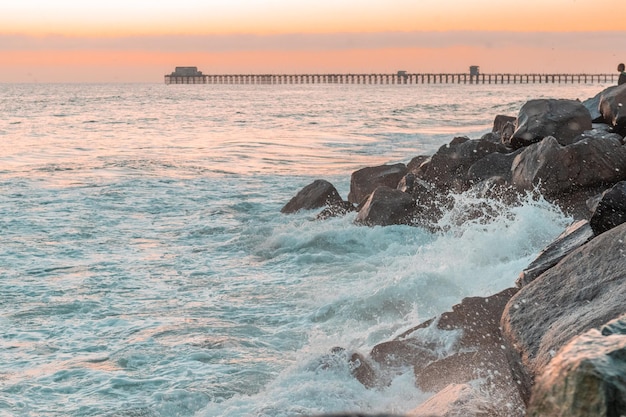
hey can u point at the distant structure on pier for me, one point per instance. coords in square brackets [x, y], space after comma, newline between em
[186, 72]
[191, 75]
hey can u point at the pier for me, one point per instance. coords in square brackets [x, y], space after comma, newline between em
[401, 77]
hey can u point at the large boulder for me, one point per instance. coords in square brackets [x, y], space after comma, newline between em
[386, 206]
[318, 194]
[493, 165]
[504, 127]
[611, 210]
[613, 108]
[584, 290]
[366, 180]
[558, 169]
[562, 119]
[458, 400]
[576, 235]
[477, 355]
[593, 104]
[447, 168]
[586, 378]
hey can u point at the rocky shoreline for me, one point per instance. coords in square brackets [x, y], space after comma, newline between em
[553, 345]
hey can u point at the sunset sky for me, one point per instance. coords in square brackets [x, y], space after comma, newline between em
[141, 40]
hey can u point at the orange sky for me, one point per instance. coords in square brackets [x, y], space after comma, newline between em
[140, 40]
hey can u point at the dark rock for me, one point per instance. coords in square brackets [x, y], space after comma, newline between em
[415, 163]
[613, 108]
[402, 353]
[478, 317]
[318, 194]
[386, 206]
[447, 168]
[584, 290]
[562, 119]
[336, 210]
[586, 378]
[597, 133]
[493, 165]
[558, 169]
[458, 368]
[593, 104]
[360, 368]
[610, 210]
[502, 123]
[366, 180]
[363, 371]
[576, 235]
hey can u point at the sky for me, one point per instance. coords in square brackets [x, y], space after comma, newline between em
[141, 40]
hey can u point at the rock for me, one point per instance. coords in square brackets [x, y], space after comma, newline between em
[415, 163]
[593, 104]
[597, 133]
[356, 415]
[447, 168]
[360, 368]
[612, 108]
[610, 210]
[502, 122]
[576, 235]
[478, 317]
[318, 194]
[386, 206]
[366, 180]
[493, 165]
[504, 127]
[586, 378]
[558, 170]
[458, 400]
[481, 351]
[584, 290]
[537, 119]
[402, 353]
[336, 210]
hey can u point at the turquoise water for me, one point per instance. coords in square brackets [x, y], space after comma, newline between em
[146, 270]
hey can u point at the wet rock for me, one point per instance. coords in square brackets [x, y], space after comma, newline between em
[593, 104]
[356, 415]
[537, 119]
[610, 210]
[493, 165]
[504, 127]
[364, 181]
[557, 170]
[613, 108]
[318, 194]
[336, 209]
[403, 353]
[459, 400]
[386, 206]
[360, 368]
[576, 235]
[584, 290]
[447, 168]
[586, 378]
[502, 122]
[415, 163]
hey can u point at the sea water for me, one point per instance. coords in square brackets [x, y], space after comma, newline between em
[146, 269]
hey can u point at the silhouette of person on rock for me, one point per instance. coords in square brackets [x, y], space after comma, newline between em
[622, 75]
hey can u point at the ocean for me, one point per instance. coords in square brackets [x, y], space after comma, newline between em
[146, 269]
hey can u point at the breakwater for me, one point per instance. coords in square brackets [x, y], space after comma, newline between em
[399, 78]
